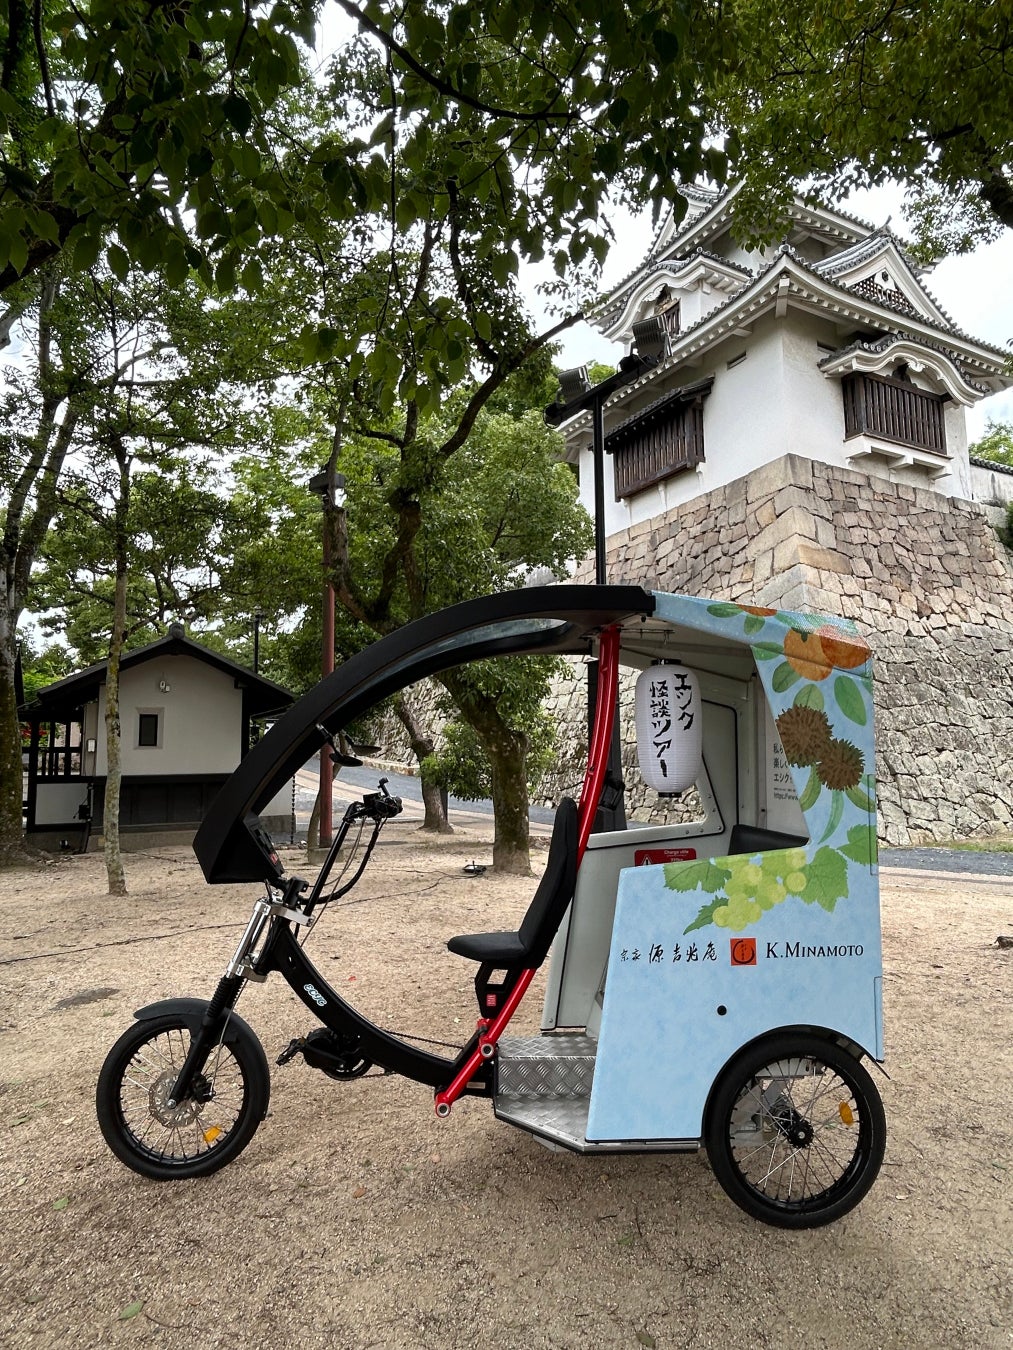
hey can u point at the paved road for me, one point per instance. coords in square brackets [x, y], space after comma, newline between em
[949, 860]
[352, 782]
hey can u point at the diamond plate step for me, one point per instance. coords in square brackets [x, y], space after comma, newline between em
[545, 1066]
[543, 1085]
[562, 1123]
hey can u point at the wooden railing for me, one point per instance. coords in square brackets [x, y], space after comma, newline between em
[877, 405]
[661, 442]
[59, 761]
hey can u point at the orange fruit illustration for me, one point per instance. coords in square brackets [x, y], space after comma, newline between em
[759, 610]
[841, 649]
[804, 653]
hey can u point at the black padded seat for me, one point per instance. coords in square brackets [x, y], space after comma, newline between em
[529, 946]
[754, 839]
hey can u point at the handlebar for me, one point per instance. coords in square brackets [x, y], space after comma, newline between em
[381, 805]
[378, 806]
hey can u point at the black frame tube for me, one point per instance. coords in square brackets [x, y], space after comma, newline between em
[283, 954]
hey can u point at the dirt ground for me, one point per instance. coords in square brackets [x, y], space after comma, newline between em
[356, 1219]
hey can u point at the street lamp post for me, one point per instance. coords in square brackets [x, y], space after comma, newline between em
[577, 394]
[258, 614]
[330, 488]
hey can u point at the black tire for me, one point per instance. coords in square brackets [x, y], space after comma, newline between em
[795, 1131]
[228, 1103]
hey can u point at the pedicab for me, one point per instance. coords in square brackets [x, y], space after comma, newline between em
[712, 982]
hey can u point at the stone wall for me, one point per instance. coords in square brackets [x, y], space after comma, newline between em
[927, 581]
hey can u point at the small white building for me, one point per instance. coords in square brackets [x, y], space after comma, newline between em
[186, 714]
[828, 346]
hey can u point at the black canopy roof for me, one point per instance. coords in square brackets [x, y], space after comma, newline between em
[549, 619]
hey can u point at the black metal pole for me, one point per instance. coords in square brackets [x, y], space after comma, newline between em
[598, 451]
[611, 815]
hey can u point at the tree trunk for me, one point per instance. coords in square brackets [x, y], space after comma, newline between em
[997, 191]
[29, 501]
[313, 829]
[117, 881]
[434, 798]
[508, 755]
[508, 752]
[12, 846]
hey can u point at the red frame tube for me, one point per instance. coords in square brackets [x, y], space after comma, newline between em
[601, 736]
[590, 795]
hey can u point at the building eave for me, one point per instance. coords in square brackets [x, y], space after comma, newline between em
[876, 357]
[788, 281]
[993, 465]
[884, 248]
[74, 691]
[699, 268]
[710, 224]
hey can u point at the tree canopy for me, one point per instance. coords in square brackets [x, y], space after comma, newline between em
[996, 443]
[126, 116]
[843, 96]
[179, 133]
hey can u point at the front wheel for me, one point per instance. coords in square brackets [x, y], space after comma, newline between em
[209, 1128]
[796, 1131]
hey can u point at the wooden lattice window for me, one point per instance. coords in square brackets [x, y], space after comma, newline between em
[894, 410]
[663, 440]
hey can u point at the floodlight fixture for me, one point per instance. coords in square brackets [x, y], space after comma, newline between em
[651, 339]
[573, 383]
[321, 484]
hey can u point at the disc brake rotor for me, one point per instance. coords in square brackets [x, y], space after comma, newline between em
[183, 1113]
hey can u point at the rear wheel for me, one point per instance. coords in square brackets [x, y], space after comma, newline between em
[201, 1133]
[796, 1131]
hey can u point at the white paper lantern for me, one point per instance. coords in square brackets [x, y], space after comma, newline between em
[669, 727]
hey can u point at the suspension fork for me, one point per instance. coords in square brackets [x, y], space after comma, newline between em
[241, 968]
[211, 1029]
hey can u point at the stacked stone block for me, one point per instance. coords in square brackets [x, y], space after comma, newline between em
[929, 584]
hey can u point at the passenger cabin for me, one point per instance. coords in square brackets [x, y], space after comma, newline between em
[759, 914]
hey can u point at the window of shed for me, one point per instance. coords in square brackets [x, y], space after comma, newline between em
[147, 729]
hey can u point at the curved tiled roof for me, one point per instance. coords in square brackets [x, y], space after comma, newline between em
[673, 263]
[865, 251]
[882, 345]
[759, 299]
[993, 464]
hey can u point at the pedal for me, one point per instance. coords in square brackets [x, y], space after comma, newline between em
[293, 1049]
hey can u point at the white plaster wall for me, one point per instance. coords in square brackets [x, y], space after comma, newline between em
[690, 307]
[57, 803]
[990, 486]
[775, 402]
[201, 719]
[813, 412]
[958, 482]
[725, 247]
[742, 428]
[91, 731]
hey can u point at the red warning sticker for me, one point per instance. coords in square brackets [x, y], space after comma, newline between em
[644, 856]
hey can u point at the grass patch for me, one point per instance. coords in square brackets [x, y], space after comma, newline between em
[974, 845]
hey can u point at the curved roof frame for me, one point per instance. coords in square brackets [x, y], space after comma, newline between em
[545, 619]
